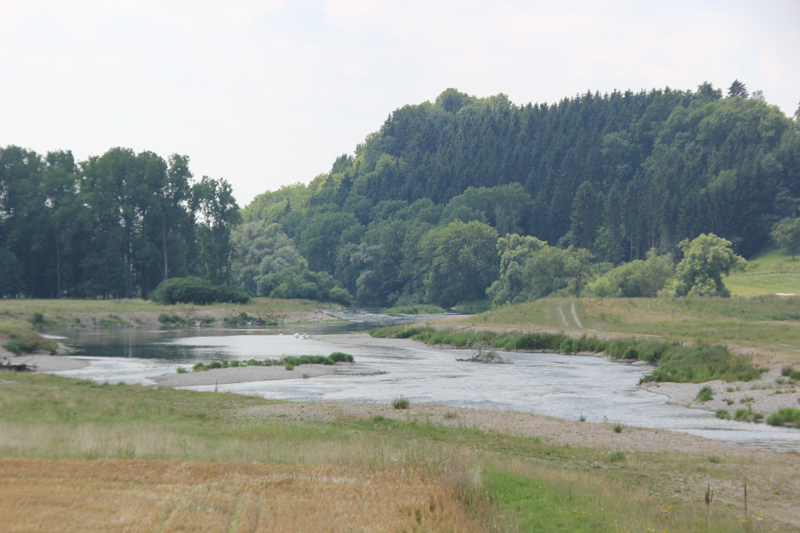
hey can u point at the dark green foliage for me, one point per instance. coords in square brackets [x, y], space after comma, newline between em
[17, 347]
[784, 416]
[786, 235]
[401, 403]
[197, 291]
[616, 174]
[791, 373]
[723, 414]
[283, 361]
[243, 319]
[339, 356]
[705, 395]
[698, 364]
[171, 320]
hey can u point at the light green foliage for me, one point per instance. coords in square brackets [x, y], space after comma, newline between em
[787, 236]
[639, 279]
[259, 251]
[514, 251]
[458, 262]
[531, 269]
[705, 260]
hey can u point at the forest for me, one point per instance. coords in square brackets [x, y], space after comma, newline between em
[459, 200]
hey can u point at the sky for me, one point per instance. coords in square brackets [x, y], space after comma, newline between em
[268, 93]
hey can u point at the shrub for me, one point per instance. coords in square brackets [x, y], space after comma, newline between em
[338, 357]
[401, 402]
[16, 347]
[723, 414]
[616, 456]
[784, 416]
[37, 319]
[450, 414]
[171, 320]
[215, 364]
[196, 291]
[617, 428]
[289, 366]
[705, 394]
[181, 370]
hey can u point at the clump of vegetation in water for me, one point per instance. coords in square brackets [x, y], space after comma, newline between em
[785, 416]
[332, 359]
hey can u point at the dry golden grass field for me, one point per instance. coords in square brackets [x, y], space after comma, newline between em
[169, 496]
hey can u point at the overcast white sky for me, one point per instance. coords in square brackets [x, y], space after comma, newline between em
[267, 93]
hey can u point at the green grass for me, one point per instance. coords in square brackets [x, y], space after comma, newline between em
[54, 310]
[532, 485]
[768, 272]
[19, 337]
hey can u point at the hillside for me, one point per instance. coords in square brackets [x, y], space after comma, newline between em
[615, 174]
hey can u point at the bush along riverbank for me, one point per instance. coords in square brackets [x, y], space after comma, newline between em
[675, 362]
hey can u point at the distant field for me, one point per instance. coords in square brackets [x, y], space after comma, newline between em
[755, 284]
[768, 272]
[52, 308]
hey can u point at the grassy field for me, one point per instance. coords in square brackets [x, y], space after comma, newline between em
[117, 457]
[57, 310]
[768, 272]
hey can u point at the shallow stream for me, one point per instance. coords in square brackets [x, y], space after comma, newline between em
[562, 386]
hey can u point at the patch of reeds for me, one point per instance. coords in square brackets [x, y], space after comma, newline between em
[676, 362]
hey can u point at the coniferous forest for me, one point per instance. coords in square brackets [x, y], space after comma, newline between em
[454, 201]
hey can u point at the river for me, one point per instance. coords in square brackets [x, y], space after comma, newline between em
[563, 386]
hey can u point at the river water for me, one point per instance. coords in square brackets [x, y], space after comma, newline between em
[562, 386]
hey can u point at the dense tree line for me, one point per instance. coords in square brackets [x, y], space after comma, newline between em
[111, 226]
[602, 178]
[457, 200]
